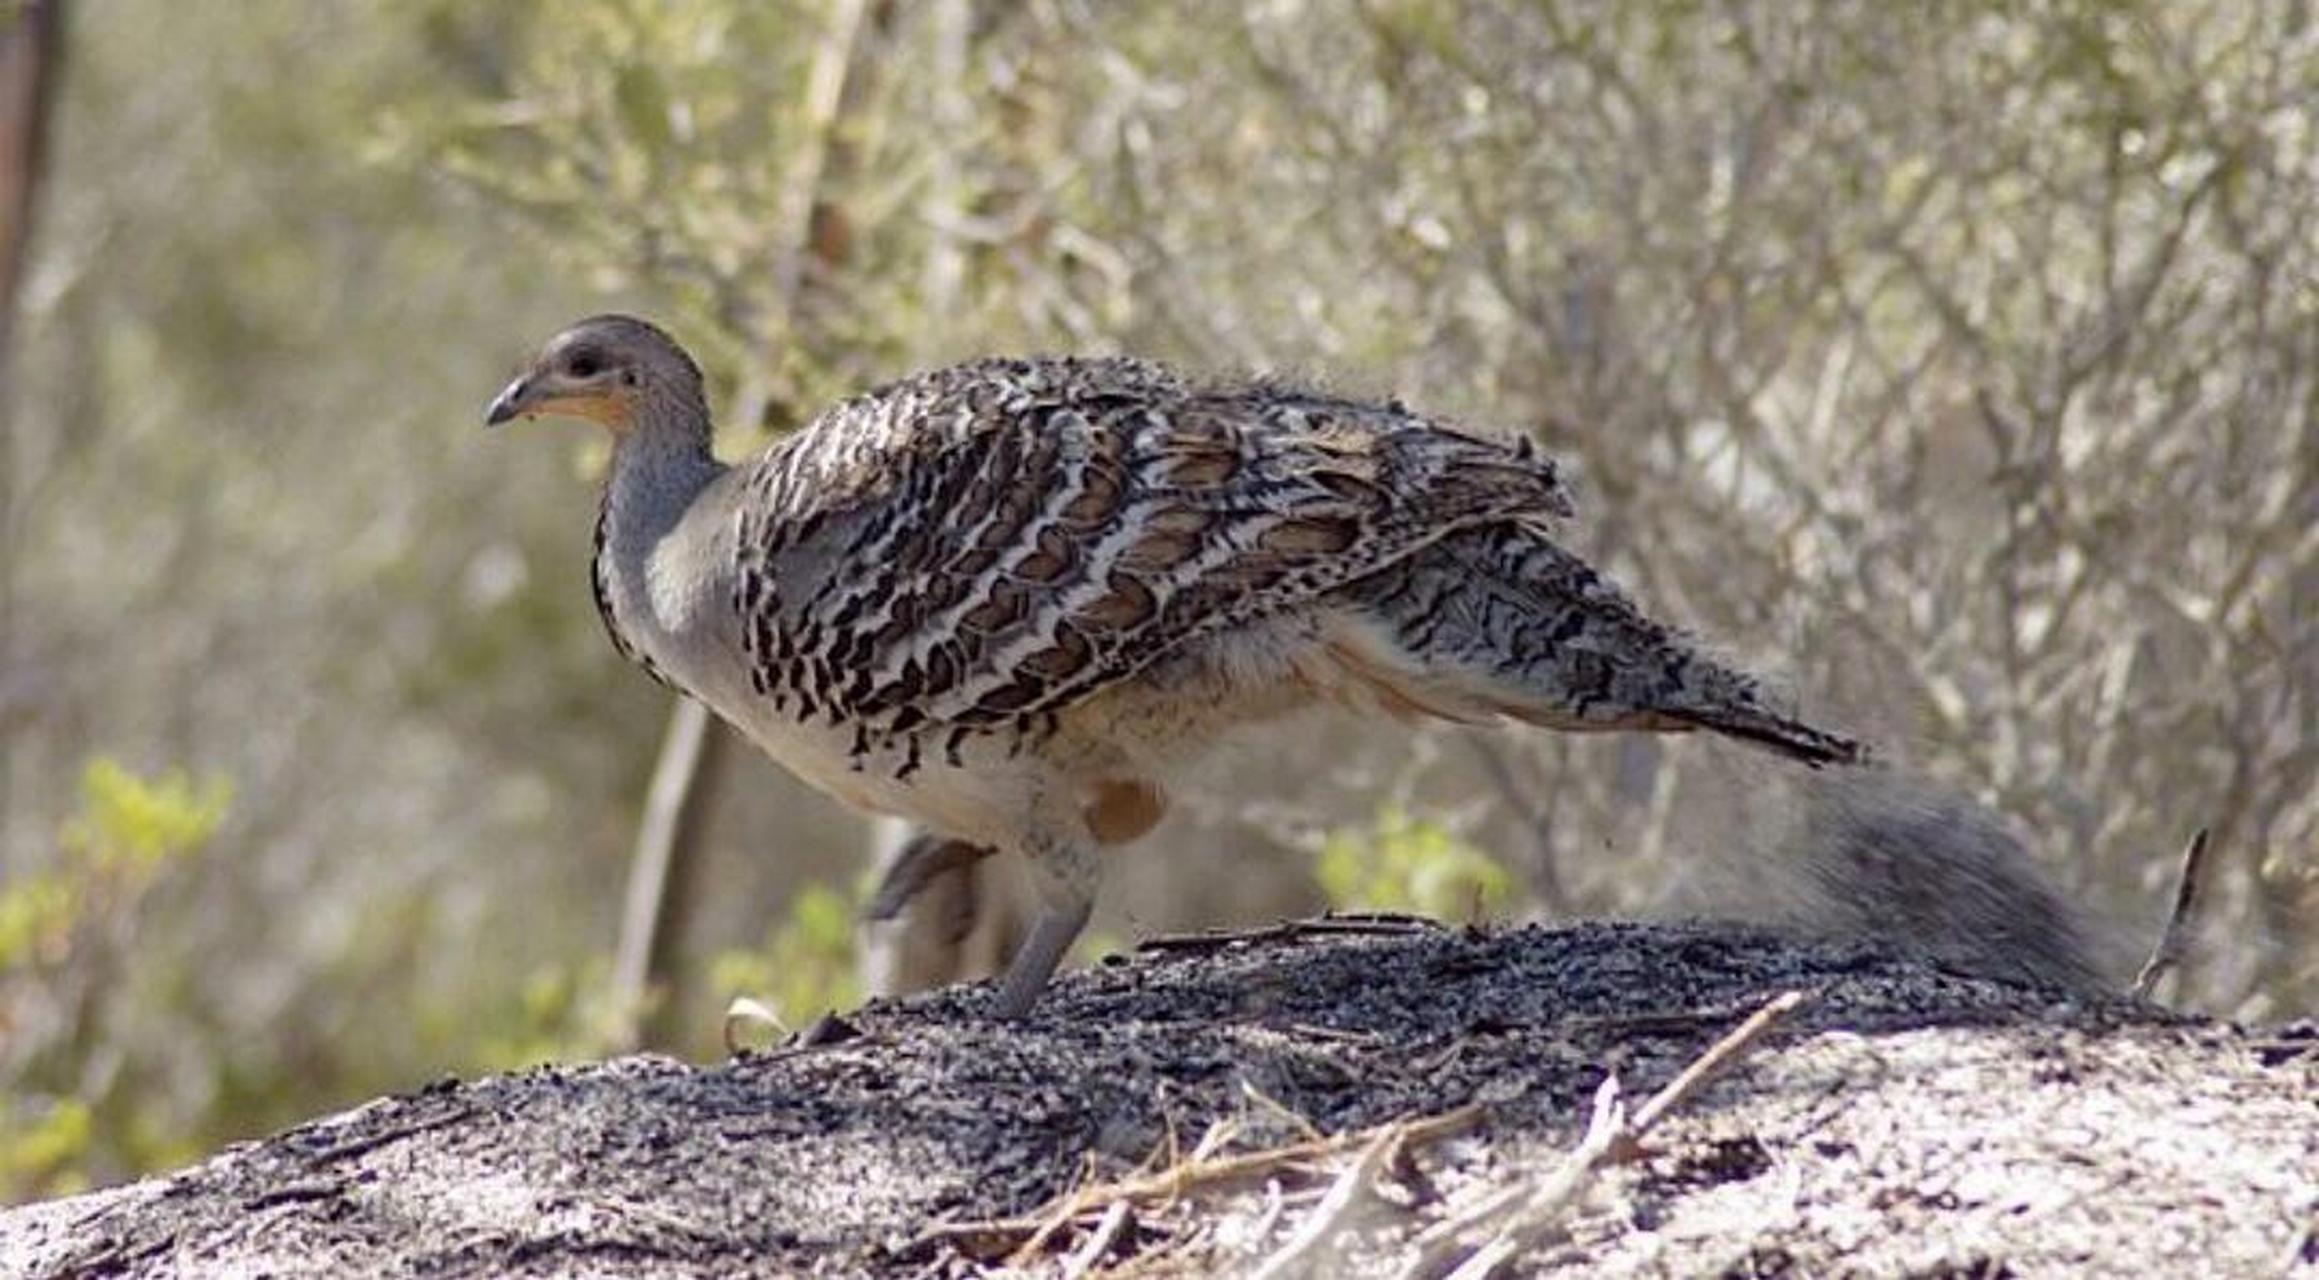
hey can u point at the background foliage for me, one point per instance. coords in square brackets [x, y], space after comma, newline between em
[1959, 362]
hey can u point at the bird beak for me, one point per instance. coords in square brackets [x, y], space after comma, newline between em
[511, 402]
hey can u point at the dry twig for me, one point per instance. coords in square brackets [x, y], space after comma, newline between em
[1194, 1174]
[1327, 1220]
[1061, 1216]
[1288, 930]
[1612, 1136]
[2176, 935]
[1606, 1132]
[1712, 1063]
[1084, 1258]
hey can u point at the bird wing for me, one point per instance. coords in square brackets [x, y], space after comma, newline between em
[991, 544]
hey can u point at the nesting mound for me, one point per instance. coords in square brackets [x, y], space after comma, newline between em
[1318, 1099]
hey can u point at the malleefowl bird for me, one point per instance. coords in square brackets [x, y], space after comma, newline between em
[1011, 599]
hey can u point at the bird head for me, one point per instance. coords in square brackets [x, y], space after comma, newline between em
[611, 369]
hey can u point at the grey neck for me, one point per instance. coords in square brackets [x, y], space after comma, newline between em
[653, 482]
[659, 470]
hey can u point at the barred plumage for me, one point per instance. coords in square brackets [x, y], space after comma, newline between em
[1005, 599]
[976, 549]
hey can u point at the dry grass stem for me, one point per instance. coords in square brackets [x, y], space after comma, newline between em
[2167, 953]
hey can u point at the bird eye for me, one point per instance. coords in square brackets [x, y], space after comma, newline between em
[584, 364]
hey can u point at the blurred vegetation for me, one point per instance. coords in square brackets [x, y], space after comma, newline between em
[79, 1095]
[805, 967]
[1405, 863]
[1960, 361]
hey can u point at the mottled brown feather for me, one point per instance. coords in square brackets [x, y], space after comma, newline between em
[1095, 515]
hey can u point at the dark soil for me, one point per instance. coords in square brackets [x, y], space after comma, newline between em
[1906, 1121]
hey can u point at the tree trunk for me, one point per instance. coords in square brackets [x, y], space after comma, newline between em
[31, 58]
[656, 918]
[647, 988]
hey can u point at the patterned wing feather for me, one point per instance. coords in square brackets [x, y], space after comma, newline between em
[987, 545]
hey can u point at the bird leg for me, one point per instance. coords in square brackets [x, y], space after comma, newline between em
[915, 928]
[1065, 874]
[1051, 935]
[923, 860]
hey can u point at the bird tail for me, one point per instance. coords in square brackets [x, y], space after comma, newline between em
[1749, 722]
[1501, 621]
[1882, 855]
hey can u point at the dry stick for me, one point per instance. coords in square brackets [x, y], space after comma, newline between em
[1213, 1139]
[1098, 1241]
[1070, 1207]
[1433, 1243]
[1436, 1243]
[1172, 1183]
[1710, 1064]
[1611, 1136]
[1216, 940]
[1544, 1207]
[1275, 1204]
[1327, 1219]
[2305, 1246]
[2176, 935]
